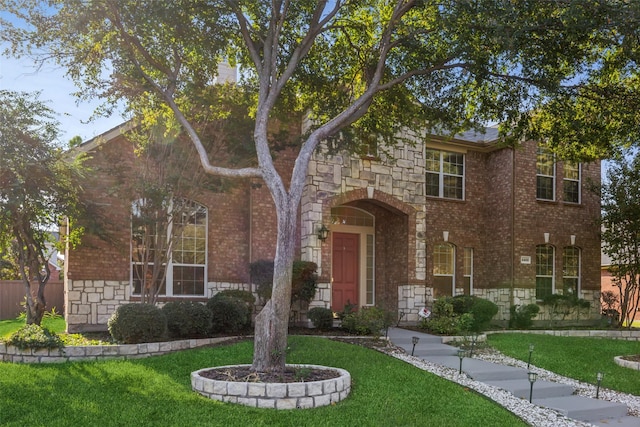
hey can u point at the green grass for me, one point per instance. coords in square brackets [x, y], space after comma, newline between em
[157, 392]
[54, 323]
[575, 357]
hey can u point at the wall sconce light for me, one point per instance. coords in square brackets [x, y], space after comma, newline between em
[532, 379]
[445, 236]
[323, 233]
[573, 240]
[599, 376]
[414, 341]
[546, 237]
[530, 351]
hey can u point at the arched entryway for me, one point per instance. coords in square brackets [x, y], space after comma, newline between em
[370, 253]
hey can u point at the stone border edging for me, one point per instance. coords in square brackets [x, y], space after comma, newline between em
[627, 363]
[628, 335]
[9, 353]
[296, 395]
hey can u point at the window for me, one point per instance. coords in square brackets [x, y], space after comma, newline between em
[571, 182]
[169, 247]
[445, 174]
[468, 271]
[545, 175]
[544, 271]
[571, 271]
[370, 291]
[443, 270]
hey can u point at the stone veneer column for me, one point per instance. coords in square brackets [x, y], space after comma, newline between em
[402, 177]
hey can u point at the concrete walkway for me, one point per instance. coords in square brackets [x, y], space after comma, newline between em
[515, 380]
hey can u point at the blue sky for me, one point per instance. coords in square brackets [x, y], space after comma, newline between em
[21, 75]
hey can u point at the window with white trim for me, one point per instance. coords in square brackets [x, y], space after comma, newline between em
[545, 268]
[443, 270]
[545, 174]
[445, 174]
[169, 247]
[571, 182]
[468, 271]
[571, 270]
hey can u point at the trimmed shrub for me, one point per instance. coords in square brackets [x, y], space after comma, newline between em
[228, 314]
[322, 318]
[482, 310]
[261, 273]
[522, 316]
[187, 319]
[244, 297]
[303, 280]
[444, 320]
[35, 336]
[367, 321]
[136, 323]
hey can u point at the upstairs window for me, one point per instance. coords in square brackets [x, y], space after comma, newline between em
[169, 248]
[545, 267]
[571, 270]
[571, 182]
[545, 175]
[445, 174]
[443, 270]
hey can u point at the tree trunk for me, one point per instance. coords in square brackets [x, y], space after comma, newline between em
[272, 323]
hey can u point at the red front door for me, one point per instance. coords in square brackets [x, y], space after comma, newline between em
[345, 260]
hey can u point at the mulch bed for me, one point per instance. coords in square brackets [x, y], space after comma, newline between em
[289, 375]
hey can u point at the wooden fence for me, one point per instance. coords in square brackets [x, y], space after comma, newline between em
[12, 295]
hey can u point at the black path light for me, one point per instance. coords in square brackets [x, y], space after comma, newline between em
[532, 379]
[599, 377]
[414, 340]
[530, 351]
[461, 354]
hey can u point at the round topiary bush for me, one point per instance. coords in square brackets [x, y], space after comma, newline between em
[136, 323]
[322, 318]
[228, 315]
[482, 310]
[187, 319]
[245, 296]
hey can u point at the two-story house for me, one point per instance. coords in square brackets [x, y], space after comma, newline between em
[446, 216]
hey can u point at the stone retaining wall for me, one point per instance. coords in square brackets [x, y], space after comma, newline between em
[296, 395]
[9, 353]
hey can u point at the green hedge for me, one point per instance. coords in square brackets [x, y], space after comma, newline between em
[136, 323]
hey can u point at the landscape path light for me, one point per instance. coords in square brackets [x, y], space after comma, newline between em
[532, 379]
[461, 354]
[530, 351]
[414, 341]
[599, 376]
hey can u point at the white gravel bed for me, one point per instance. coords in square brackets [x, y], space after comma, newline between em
[582, 389]
[532, 414]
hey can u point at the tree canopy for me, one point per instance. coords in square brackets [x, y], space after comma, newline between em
[621, 231]
[354, 71]
[38, 189]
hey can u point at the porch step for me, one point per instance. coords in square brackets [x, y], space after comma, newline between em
[541, 389]
[585, 408]
[627, 421]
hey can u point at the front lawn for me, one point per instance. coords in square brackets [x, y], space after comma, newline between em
[157, 392]
[575, 357]
[54, 323]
